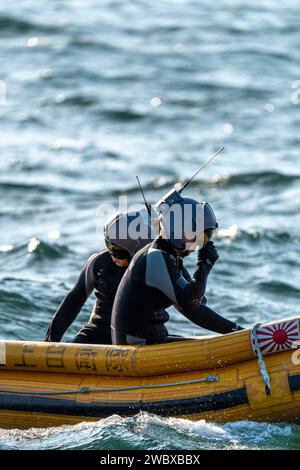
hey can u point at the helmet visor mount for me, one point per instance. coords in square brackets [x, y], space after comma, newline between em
[115, 251]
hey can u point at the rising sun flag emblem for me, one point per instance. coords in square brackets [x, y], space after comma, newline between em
[277, 337]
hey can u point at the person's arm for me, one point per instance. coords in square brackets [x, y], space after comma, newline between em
[186, 293]
[207, 256]
[72, 303]
[163, 273]
[186, 274]
[204, 316]
[207, 318]
[188, 277]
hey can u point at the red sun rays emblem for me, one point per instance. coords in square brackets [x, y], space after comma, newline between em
[277, 337]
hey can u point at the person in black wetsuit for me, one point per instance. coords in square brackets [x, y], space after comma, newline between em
[156, 278]
[102, 273]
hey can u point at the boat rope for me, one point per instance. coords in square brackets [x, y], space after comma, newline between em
[210, 378]
[260, 360]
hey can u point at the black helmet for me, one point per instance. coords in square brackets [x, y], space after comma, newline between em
[125, 233]
[210, 222]
[185, 221]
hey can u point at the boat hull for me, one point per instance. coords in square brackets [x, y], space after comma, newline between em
[216, 378]
[238, 394]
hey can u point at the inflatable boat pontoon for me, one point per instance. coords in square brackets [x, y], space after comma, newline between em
[251, 374]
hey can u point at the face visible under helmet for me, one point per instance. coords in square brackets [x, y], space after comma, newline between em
[125, 233]
[185, 221]
[116, 251]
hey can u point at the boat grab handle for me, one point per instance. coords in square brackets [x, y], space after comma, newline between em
[210, 378]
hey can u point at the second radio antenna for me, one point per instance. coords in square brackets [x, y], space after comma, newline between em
[203, 166]
[143, 194]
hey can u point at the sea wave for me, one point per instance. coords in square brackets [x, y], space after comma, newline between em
[146, 431]
[264, 178]
[35, 249]
[261, 179]
[279, 288]
[13, 25]
[125, 114]
[39, 188]
[79, 99]
[273, 235]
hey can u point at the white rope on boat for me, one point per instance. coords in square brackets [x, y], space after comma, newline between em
[260, 360]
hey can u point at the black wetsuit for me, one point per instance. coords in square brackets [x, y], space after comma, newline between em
[155, 280]
[102, 275]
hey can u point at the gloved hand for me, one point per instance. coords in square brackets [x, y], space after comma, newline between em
[208, 253]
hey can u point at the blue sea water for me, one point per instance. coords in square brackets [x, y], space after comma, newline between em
[93, 93]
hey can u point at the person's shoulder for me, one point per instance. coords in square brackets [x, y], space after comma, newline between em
[159, 248]
[158, 257]
[99, 259]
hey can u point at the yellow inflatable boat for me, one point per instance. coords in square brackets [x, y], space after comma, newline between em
[251, 374]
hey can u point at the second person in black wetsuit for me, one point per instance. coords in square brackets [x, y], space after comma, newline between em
[101, 274]
[156, 279]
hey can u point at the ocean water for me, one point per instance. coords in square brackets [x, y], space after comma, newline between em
[93, 93]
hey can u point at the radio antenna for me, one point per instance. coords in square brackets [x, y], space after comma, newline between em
[143, 194]
[203, 166]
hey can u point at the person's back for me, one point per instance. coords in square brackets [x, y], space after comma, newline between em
[155, 280]
[139, 305]
[102, 274]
